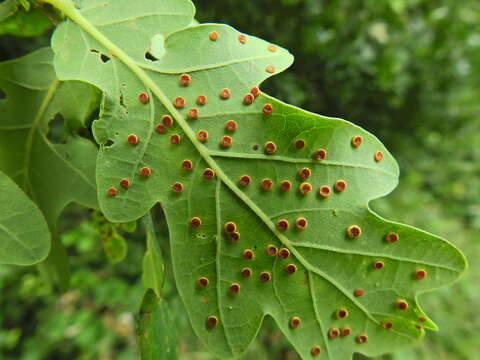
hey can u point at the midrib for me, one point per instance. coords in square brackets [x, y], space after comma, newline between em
[69, 9]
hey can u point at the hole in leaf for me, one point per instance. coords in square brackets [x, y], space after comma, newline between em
[104, 58]
[94, 51]
[108, 143]
[57, 132]
[3, 94]
[255, 147]
[150, 57]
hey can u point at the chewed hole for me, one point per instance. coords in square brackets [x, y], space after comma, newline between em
[104, 58]
[108, 143]
[57, 132]
[150, 57]
[255, 147]
[202, 236]
[94, 51]
[3, 94]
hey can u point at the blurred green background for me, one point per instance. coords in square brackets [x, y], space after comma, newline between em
[406, 70]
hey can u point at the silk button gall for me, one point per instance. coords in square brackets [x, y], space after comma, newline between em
[270, 69]
[242, 38]
[357, 141]
[295, 322]
[267, 109]
[229, 227]
[320, 154]
[345, 331]
[301, 224]
[202, 136]
[213, 36]
[187, 165]
[282, 225]
[143, 97]
[304, 173]
[202, 282]
[226, 142]
[185, 80]
[179, 102]
[290, 269]
[361, 338]
[324, 191]
[177, 188]
[132, 139]
[195, 222]
[193, 114]
[161, 129]
[225, 94]
[420, 274]
[358, 292]
[272, 48]
[208, 174]
[255, 91]
[246, 272]
[333, 333]
[201, 99]
[167, 120]
[299, 144]
[212, 321]
[354, 232]
[245, 180]
[271, 250]
[266, 184]
[377, 264]
[270, 148]
[285, 185]
[112, 191]
[145, 171]
[248, 254]
[378, 156]
[175, 139]
[265, 276]
[248, 99]
[231, 125]
[234, 289]
[284, 253]
[125, 183]
[401, 304]
[305, 188]
[340, 185]
[391, 237]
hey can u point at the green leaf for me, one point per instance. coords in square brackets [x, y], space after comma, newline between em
[114, 245]
[325, 265]
[24, 235]
[22, 23]
[156, 329]
[153, 267]
[7, 9]
[51, 174]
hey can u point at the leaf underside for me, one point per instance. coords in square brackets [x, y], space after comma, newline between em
[108, 45]
[51, 174]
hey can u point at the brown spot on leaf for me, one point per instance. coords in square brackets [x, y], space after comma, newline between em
[177, 187]
[132, 139]
[195, 222]
[143, 97]
[284, 253]
[125, 183]
[320, 154]
[357, 141]
[208, 174]
[202, 135]
[231, 125]
[179, 102]
[354, 232]
[175, 139]
[145, 171]
[185, 80]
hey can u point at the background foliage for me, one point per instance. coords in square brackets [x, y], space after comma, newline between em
[406, 70]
